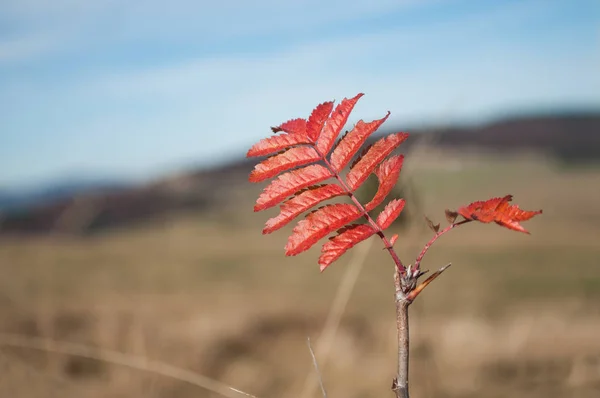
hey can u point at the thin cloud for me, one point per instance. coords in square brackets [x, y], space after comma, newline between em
[98, 23]
[137, 117]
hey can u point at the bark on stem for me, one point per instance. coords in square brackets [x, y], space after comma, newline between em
[400, 384]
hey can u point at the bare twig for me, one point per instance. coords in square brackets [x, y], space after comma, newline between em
[435, 237]
[119, 358]
[314, 358]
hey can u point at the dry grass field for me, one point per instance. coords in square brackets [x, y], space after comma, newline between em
[159, 308]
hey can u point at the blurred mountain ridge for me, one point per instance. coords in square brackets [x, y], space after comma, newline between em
[83, 207]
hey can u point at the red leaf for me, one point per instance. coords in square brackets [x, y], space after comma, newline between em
[345, 240]
[483, 211]
[300, 203]
[361, 170]
[318, 224]
[276, 143]
[391, 211]
[317, 119]
[335, 123]
[351, 143]
[311, 140]
[387, 173]
[393, 239]
[289, 183]
[513, 215]
[289, 159]
[499, 211]
[294, 126]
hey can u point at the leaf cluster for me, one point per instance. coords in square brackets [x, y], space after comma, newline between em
[308, 163]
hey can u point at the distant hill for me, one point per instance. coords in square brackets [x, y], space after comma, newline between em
[12, 200]
[85, 207]
[88, 211]
[574, 137]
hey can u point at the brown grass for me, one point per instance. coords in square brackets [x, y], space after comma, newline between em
[515, 316]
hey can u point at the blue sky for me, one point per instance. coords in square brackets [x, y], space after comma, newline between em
[136, 89]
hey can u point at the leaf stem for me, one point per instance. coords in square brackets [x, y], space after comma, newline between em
[435, 237]
[366, 214]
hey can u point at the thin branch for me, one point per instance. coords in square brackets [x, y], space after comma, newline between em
[119, 358]
[435, 237]
[314, 358]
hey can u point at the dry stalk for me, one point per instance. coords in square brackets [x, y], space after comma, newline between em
[122, 359]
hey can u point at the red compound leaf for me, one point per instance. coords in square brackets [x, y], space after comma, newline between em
[301, 203]
[346, 238]
[375, 155]
[307, 141]
[318, 224]
[498, 210]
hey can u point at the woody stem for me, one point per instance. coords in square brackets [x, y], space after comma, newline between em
[400, 383]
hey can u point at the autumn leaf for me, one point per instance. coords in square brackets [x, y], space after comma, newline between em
[289, 183]
[391, 211]
[374, 156]
[498, 210]
[317, 120]
[318, 224]
[335, 124]
[387, 174]
[294, 126]
[301, 155]
[287, 160]
[345, 239]
[276, 143]
[301, 203]
[352, 142]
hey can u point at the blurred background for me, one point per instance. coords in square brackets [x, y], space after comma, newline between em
[132, 264]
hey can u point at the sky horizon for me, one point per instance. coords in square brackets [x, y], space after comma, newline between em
[135, 90]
